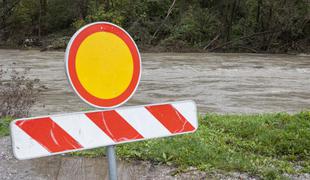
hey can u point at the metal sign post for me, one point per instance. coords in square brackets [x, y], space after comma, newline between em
[103, 66]
[112, 162]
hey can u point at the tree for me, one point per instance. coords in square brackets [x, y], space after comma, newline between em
[42, 17]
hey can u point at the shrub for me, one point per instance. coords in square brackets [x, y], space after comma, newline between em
[17, 93]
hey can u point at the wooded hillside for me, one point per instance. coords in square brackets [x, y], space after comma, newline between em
[275, 26]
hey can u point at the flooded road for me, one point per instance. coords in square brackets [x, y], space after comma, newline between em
[222, 83]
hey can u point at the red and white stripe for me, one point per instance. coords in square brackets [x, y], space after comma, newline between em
[45, 136]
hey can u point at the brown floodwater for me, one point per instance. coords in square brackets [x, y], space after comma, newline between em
[221, 83]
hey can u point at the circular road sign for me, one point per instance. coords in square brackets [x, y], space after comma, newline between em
[103, 64]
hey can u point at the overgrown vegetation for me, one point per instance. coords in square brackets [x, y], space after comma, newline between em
[169, 25]
[267, 145]
[17, 93]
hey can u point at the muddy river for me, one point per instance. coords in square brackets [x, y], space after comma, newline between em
[221, 83]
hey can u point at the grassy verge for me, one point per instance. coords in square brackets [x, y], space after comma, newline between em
[266, 145]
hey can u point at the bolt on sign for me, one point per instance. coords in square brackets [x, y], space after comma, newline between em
[103, 66]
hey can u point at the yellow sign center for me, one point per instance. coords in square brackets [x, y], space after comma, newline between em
[104, 65]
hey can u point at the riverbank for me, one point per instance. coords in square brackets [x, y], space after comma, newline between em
[60, 44]
[59, 41]
[267, 146]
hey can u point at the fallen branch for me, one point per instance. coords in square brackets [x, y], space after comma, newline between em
[167, 15]
[242, 38]
[211, 42]
[247, 48]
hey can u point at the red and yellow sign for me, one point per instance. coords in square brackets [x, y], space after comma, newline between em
[103, 64]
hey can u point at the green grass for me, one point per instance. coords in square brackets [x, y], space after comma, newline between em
[266, 145]
[4, 126]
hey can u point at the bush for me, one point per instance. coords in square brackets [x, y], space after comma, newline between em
[17, 93]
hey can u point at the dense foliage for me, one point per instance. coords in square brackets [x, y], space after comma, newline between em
[213, 25]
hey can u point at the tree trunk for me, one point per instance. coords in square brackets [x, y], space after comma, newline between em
[5, 6]
[81, 6]
[44, 8]
[106, 5]
[42, 15]
[259, 5]
[230, 21]
[40, 19]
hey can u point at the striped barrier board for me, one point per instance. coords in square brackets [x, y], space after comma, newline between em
[56, 134]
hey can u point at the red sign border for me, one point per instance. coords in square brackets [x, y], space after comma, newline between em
[70, 58]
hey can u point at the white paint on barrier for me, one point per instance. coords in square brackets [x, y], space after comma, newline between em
[83, 130]
[189, 111]
[144, 122]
